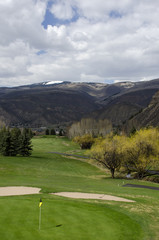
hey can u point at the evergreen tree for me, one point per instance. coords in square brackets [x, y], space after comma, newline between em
[5, 142]
[15, 141]
[61, 132]
[133, 131]
[47, 132]
[30, 132]
[53, 131]
[25, 148]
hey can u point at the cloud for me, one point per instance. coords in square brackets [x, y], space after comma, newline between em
[21, 20]
[83, 41]
[93, 10]
[63, 10]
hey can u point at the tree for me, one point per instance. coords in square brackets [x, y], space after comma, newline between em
[25, 148]
[52, 132]
[61, 132]
[5, 141]
[47, 132]
[141, 151]
[90, 126]
[108, 153]
[14, 141]
[30, 132]
[85, 141]
[133, 131]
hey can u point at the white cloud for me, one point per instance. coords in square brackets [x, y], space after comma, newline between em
[98, 40]
[91, 78]
[62, 10]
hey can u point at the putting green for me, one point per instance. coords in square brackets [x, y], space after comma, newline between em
[63, 219]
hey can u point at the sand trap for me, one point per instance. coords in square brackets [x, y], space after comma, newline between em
[14, 191]
[92, 196]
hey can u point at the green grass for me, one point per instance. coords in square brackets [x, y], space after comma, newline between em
[76, 220]
[79, 219]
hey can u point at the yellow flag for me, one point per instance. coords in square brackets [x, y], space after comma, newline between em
[40, 203]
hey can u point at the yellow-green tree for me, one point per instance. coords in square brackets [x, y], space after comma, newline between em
[84, 141]
[141, 151]
[108, 152]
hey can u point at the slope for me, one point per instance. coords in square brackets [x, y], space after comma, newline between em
[148, 117]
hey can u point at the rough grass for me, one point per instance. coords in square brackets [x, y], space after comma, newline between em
[77, 219]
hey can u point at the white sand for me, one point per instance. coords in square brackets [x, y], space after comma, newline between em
[14, 191]
[92, 196]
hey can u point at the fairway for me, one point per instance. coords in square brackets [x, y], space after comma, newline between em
[66, 218]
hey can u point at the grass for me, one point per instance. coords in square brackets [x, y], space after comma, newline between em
[77, 219]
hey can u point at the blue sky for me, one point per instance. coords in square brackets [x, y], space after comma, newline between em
[72, 40]
[50, 19]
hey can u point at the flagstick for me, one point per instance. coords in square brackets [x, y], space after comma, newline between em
[39, 218]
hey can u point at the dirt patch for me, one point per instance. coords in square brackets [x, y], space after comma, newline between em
[79, 195]
[14, 191]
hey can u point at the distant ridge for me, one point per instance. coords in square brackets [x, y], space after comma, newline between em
[56, 102]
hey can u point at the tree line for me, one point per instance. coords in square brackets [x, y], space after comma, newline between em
[15, 142]
[52, 131]
[135, 154]
[90, 126]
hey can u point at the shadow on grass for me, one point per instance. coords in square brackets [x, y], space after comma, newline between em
[51, 227]
[37, 157]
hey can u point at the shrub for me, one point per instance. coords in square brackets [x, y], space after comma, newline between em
[85, 142]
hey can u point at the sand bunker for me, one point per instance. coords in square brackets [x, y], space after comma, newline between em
[92, 196]
[14, 191]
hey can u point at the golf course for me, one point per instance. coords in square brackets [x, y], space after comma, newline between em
[64, 218]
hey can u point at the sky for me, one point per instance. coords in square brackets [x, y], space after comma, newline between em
[78, 40]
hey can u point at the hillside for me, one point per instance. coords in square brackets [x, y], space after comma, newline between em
[46, 104]
[43, 107]
[125, 106]
[148, 117]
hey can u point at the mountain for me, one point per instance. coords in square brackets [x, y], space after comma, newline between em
[148, 117]
[42, 106]
[125, 106]
[53, 103]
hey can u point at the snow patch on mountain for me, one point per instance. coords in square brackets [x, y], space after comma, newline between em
[52, 82]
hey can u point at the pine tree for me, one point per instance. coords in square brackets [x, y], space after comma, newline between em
[53, 131]
[5, 142]
[61, 132]
[30, 132]
[25, 148]
[47, 132]
[15, 141]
